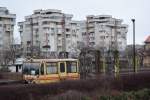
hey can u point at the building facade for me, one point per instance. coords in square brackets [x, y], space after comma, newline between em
[48, 32]
[106, 32]
[7, 22]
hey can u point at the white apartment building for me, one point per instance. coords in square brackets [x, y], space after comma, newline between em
[50, 31]
[78, 41]
[104, 31]
[7, 22]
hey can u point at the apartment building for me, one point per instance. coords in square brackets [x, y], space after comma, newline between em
[51, 31]
[106, 32]
[48, 31]
[7, 22]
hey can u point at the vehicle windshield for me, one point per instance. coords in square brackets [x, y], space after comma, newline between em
[31, 68]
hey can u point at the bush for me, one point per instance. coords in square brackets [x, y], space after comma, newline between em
[133, 95]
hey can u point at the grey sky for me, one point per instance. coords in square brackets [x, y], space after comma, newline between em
[124, 9]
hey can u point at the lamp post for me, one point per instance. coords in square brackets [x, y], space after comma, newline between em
[134, 66]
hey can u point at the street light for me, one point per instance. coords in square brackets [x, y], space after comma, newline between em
[133, 21]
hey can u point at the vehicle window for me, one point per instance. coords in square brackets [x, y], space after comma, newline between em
[62, 67]
[26, 69]
[68, 67]
[42, 69]
[31, 68]
[71, 67]
[52, 68]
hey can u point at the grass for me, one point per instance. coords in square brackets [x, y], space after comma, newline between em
[91, 89]
[143, 94]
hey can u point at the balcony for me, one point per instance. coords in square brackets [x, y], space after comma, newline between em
[20, 23]
[59, 44]
[46, 25]
[1, 22]
[51, 20]
[52, 15]
[59, 26]
[98, 20]
[9, 22]
[91, 30]
[35, 27]
[34, 21]
[68, 33]
[59, 33]
[8, 29]
[27, 22]
[8, 16]
[91, 40]
[91, 25]
[110, 24]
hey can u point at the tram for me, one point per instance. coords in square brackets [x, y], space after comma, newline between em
[50, 70]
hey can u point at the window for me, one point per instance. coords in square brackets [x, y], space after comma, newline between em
[67, 35]
[45, 22]
[62, 67]
[42, 69]
[71, 67]
[102, 18]
[52, 30]
[35, 24]
[28, 42]
[92, 38]
[48, 12]
[12, 26]
[83, 33]
[102, 37]
[67, 30]
[36, 35]
[119, 33]
[52, 68]
[31, 68]
[37, 41]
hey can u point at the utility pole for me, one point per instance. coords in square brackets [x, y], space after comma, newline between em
[134, 66]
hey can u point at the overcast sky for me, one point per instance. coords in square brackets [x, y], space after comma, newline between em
[123, 9]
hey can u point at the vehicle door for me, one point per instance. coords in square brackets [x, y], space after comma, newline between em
[62, 70]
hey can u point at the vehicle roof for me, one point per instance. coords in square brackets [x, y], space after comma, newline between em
[50, 60]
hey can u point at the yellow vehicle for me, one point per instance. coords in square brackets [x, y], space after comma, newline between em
[50, 70]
